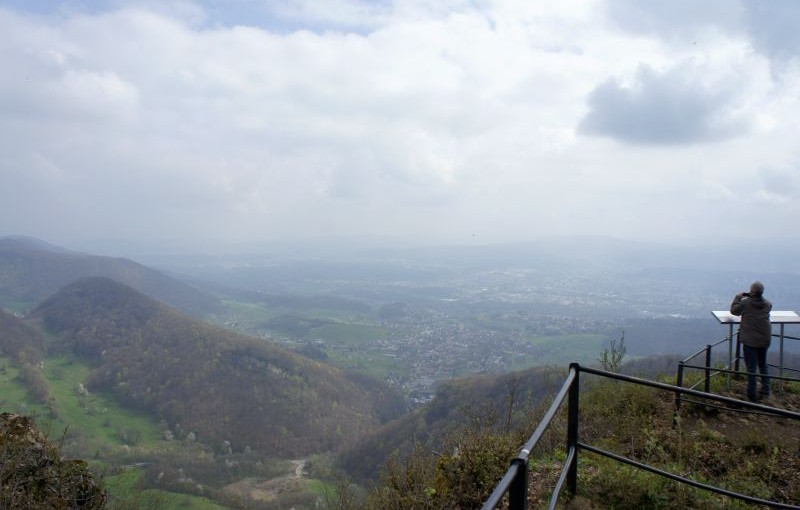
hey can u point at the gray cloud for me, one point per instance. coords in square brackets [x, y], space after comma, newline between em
[769, 25]
[773, 27]
[667, 108]
[676, 19]
[782, 184]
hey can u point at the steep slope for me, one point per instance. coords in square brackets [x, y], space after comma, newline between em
[486, 401]
[16, 336]
[31, 270]
[754, 454]
[25, 345]
[220, 385]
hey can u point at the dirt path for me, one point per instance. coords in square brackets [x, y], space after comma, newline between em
[299, 466]
[269, 490]
[741, 425]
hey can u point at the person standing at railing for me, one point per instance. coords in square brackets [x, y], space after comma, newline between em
[755, 333]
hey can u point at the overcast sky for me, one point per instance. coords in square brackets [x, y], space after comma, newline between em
[213, 123]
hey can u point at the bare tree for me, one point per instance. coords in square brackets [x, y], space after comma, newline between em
[611, 358]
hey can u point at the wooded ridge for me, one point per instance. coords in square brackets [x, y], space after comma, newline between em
[218, 384]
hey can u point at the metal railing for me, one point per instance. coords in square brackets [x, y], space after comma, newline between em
[515, 482]
[708, 373]
[732, 368]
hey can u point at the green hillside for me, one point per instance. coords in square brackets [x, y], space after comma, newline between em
[126, 450]
[31, 270]
[149, 459]
[137, 359]
[220, 385]
[25, 346]
[753, 454]
[498, 401]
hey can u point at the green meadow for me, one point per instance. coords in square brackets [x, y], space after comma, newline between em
[343, 339]
[561, 350]
[345, 342]
[13, 395]
[349, 334]
[374, 364]
[124, 493]
[14, 305]
[95, 427]
[98, 417]
[254, 317]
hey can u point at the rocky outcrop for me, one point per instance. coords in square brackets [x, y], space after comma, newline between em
[34, 476]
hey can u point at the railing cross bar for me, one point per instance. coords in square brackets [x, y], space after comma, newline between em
[517, 488]
[682, 479]
[724, 370]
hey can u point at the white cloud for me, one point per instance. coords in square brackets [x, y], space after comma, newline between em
[432, 120]
[336, 14]
[681, 21]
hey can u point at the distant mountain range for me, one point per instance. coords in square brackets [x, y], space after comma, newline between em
[31, 270]
[546, 253]
[606, 253]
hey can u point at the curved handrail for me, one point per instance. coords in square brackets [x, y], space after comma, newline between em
[701, 351]
[513, 471]
[517, 489]
[733, 363]
[550, 414]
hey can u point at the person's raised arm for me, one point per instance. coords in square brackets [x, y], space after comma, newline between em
[736, 306]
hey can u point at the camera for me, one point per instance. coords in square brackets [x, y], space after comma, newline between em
[745, 294]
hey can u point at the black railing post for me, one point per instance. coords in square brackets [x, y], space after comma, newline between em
[572, 428]
[780, 381]
[679, 384]
[708, 369]
[738, 351]
[518, 490]
[729, 366]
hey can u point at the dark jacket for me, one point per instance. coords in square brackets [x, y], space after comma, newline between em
[755, 330]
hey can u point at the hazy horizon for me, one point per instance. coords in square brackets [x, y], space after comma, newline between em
[209, 126]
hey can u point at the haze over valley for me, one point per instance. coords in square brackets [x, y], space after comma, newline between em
[290, 356]
[254, 254]
[414, 318]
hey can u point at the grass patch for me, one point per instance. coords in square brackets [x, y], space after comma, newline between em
[322, 489]
[353, 335]
[13, 394]
[374, 364]
[254, 317]
[348, 347]
[561, 350]
[15, 305]
[247, 318]
[96, 415]
[124, 493]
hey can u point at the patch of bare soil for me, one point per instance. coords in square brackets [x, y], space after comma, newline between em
[739, 423]
[269, 490]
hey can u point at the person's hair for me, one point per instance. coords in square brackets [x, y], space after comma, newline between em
[757, 288]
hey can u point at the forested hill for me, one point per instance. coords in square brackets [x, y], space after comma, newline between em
[490, 402]
[31, 270]
[17, 337]
[218, 384]
[25, 345]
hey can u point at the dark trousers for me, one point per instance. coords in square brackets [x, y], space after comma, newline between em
[756, 358]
